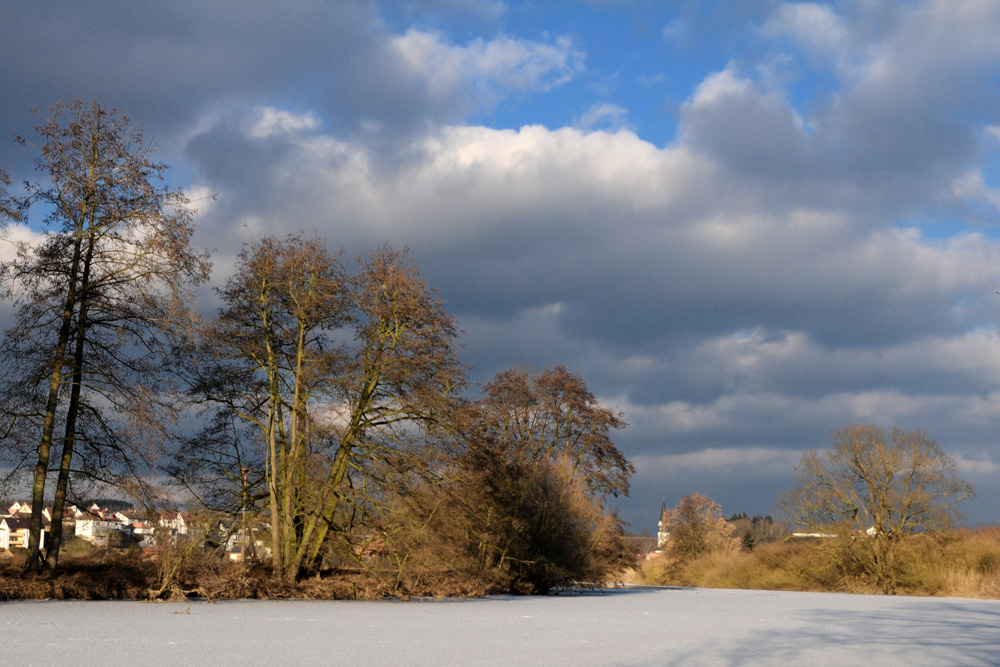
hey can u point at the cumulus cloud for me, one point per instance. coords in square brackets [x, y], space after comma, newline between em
[175, 63]
[753, 129]
[482, 71]
[13, 235]
[971, 190]
[980, 468]
[813, 27]
[271, 122]
[604, 252]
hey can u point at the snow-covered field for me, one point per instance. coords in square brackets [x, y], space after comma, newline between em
[637, 626]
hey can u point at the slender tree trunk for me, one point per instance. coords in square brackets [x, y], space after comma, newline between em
[69, 442]
[294, 474]
[272, 489]
[51, 406]
[72, 411]
[318, 523]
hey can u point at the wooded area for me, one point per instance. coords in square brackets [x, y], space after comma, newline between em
[335, 428]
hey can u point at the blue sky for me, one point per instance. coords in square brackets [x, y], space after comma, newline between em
[743, 223]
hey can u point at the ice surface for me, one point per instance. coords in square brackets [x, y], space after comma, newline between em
[636, 626]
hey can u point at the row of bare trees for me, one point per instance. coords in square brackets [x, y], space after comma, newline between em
[327, 395]
[871, 508]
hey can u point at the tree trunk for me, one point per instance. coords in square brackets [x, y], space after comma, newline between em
[48, 424]
[72, 410]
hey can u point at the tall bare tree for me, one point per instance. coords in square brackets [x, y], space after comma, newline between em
[96, 297]
[334, 371]
[874, 488]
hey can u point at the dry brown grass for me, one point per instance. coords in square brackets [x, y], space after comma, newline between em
[205, 574]
[970, 566]
[963, 564]
[104, 576]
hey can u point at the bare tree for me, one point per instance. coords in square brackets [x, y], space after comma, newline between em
[873, 488]
[553, 417]
[696, 527]
[96, 298]
[335, 372]
[540, 453]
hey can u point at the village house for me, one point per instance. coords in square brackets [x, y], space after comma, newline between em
[14, 532]
[128, 517]
[98, 525]
[18, 508]
[175, 524]
[95, 528]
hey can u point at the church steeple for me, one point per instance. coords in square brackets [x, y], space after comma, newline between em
[662, 534]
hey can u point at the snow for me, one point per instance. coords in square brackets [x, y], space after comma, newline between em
[634, 626]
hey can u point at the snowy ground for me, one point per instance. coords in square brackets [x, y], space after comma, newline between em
[638, 626]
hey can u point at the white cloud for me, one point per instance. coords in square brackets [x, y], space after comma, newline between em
[15, 234]
[813, 26]
[594, 218]
[970, 188]
[749, 461]
[676, 30]
[271, 122]
[490, 68]
[737, 120]
[981, 467]
[610, 116]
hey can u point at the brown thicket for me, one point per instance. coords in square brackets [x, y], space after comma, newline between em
[696, 527]
[524, 507]
[964, 563]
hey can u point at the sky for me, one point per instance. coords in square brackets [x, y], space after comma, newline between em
[744, 224]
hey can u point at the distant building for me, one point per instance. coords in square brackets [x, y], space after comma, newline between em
[14, 533]
[18, 508]
[662, 534]
[95, 528]
[175, 523]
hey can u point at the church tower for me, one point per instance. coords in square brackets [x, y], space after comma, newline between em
[662, 534]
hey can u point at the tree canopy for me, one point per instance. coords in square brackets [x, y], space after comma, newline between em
[879, 484]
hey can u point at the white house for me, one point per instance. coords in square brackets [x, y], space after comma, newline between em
[95, 529]
[14, 533]
[174, 523]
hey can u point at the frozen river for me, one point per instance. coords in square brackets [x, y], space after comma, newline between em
[637, 626]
